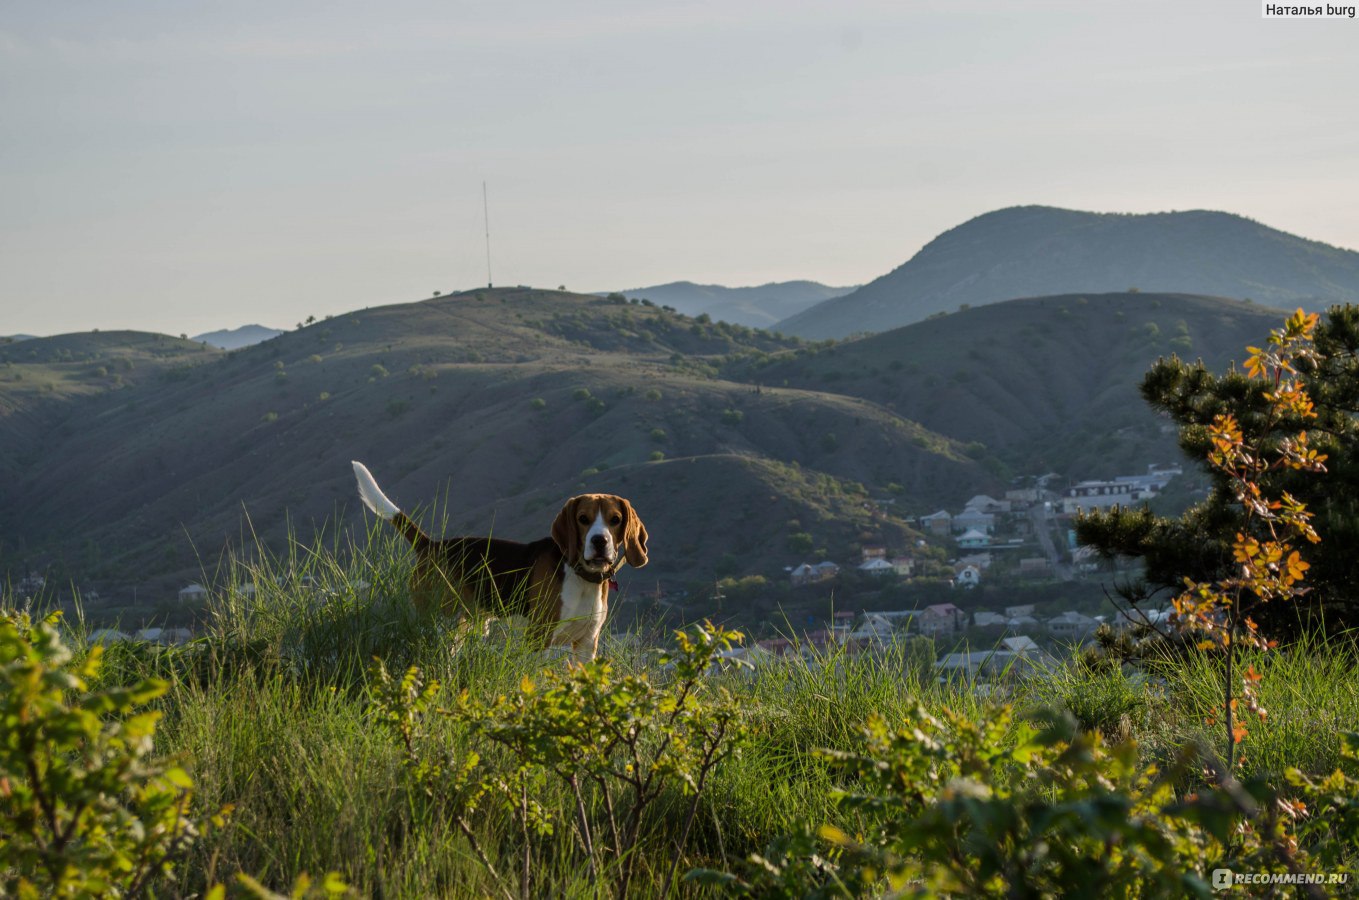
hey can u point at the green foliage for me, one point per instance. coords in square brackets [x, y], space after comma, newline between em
[949, 805]
[1199, 544]
[85, 810]
[617, 742]
[537, 404]
[732, 416]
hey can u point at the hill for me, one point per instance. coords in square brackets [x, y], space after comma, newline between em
[759, 307]
[1032, 251]
[236, 338]
[480, 411]
[1035, 385]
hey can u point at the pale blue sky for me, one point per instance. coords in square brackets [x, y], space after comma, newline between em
[186, 166]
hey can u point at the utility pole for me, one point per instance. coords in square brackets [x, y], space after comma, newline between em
[486, 213]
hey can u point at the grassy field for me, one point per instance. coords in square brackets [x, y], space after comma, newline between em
[274, 712]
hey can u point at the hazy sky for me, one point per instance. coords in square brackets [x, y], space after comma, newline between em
[181, 166]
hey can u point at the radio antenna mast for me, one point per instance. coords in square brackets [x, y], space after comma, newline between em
[486, 213]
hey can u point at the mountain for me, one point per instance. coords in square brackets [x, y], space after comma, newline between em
[1031, 251]
[477, 412]
[15, 338]
[1035, 385]
[759, 307]
[235, 338]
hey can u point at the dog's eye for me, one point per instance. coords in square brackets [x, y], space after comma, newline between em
[616, 520]
[584, 520]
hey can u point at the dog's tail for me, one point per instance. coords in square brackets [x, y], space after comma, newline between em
[384, 508]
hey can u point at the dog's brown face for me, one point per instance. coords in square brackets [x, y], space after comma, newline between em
[592, 529]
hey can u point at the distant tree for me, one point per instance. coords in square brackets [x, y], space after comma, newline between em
[1199, 543]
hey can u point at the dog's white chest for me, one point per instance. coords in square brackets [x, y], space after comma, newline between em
[583, 610]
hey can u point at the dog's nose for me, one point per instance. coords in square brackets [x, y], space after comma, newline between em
[599, 543]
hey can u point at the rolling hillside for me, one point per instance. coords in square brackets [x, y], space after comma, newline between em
[1033, 251]
[1042, 384]
[480, 411]
[759, 307]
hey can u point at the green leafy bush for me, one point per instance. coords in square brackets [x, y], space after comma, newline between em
[617, 743]
[1003, 808]
[85, 810]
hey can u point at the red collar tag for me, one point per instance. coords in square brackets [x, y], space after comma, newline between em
[613, 585]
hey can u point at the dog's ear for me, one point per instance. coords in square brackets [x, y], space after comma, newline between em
[566, 532]
[634, 536]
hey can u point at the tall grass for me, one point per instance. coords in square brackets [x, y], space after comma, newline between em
[272, 710]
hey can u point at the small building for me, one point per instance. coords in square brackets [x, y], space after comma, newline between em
[941, 618]
[813, 573]
[1023, 610]
[194, 593]
[983, 618]
[873, 552]
[974, 539]
[984, 504]
[903, 566]
[877, 566]
[937, 523]
[967, 577]
[1071, 626]
[1035, 567]
[973, 520]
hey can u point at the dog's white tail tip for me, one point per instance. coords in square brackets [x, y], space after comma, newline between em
[371, 494]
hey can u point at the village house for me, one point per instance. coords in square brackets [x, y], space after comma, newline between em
[1035, 567]
[937, 523]
[903, 566]
[194, 593]
[811, 574]
[1071, 626]
[941, 618]
[874, 552]
[967, 577]
[973, 539]
[971, 519]
[984, 618]
[984, 504]
[877, 566]
[1016, 656]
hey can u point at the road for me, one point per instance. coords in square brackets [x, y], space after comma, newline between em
[1043, 523]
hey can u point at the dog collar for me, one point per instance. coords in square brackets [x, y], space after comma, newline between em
[598, 577]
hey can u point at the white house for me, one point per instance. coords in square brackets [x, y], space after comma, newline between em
[967, 577]
[904, 566]
[973, 540]
[877, 566]
[1100, 495]
[193, 593]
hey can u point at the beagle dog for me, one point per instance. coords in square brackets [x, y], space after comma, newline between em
[559, 583]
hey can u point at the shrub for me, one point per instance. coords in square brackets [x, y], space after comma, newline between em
[84, 808]
[950, 805]
[617, 743]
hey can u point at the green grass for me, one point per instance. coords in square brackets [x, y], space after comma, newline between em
[273, 713]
